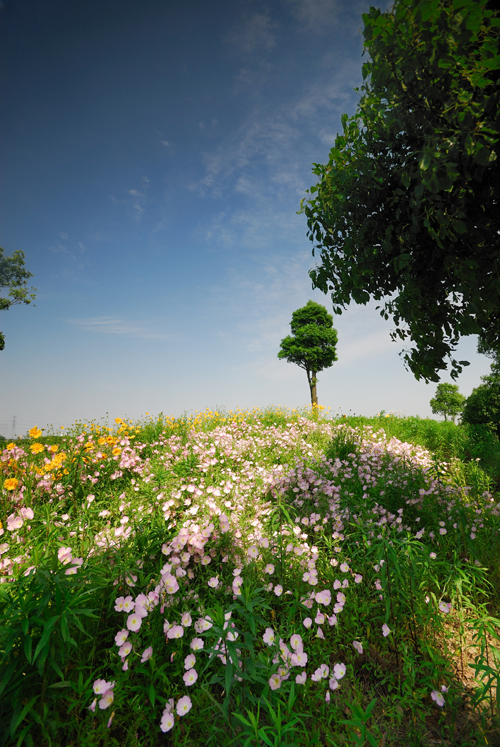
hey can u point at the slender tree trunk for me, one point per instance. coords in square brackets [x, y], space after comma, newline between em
[314, 395]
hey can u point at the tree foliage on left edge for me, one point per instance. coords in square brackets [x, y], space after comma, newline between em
[407, 209]
[312, 344]
[13, 276]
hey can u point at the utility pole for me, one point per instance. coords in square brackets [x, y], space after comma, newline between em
[14, 418]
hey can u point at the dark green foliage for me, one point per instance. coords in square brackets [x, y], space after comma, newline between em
[13, 275]
[312, 344]
[407, 205]
[448, 401]
[483, 405]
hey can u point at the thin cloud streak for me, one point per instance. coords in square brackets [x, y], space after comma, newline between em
[110, 325]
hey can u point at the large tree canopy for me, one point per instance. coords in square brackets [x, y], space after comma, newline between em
[13, 276]
[407, 208]
[312, 344]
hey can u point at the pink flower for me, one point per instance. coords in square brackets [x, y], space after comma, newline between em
[147, 654]
[320, 634]
[106, 700]
[301, 678]
[13, 523]
[269, 636]
[324, 597]
[213, 582]
[189, 661]
[299, 659]
[101, 686]
[385, 630]
[296, 642]
[333, 683]
[127, 604]
[176, 631]
[186, 620]
[307, 622]
[445, 607]
[93, 705]
[358, 646]
[278, 590]
[332, 620]
[190, 677]
[202, 624]
[327, 696]
[121, 637]
[134, 621]
[167, 720]
[358, 578]
[125, 649]
[339, 671]
[184, 705]
[64, 554]
[437, 698]
[253, 552]
[275, 682]
[197, 644]
[170, 583]
[269, 568]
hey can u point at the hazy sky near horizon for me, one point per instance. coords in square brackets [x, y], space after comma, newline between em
[153, 158]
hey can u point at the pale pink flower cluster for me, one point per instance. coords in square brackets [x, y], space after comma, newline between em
[105, 690]
[437, 696]
[65, 556]
[184, 705]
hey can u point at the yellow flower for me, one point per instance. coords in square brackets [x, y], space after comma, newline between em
[118, 420]
[117, 451]
[54, 448]
[111, 440]
[35, 432]
[11, 446]
[101, 441]
[11, 483]
[36, 448]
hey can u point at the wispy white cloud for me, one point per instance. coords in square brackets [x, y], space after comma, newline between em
[255, 32]
[270, 153]
[110, 325]
[315, 15]
[139, 198]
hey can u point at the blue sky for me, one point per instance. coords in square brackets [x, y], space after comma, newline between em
[153, 156]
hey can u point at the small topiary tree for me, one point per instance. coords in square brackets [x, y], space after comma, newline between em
[312, 344]
[448, 401]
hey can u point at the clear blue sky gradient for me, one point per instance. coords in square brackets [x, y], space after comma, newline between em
[153, 158]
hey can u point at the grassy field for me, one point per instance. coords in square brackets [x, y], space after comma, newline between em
[250, 578]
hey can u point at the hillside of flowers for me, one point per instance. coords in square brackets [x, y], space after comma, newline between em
[252, 578]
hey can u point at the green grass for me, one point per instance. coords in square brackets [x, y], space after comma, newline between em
[287, 579]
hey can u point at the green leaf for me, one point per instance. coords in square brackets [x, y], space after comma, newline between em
[425, 161]
[22, 715]
[49, 625]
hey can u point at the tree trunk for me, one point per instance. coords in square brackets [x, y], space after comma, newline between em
[314, 395]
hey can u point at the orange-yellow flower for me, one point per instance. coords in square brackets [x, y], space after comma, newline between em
[11, 483]
[11, 446]
[118, 420]
[36, 448]
[54, 448]
[35, 432]
[117, 451]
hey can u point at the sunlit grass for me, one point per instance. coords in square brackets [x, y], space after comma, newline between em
[251, 577]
